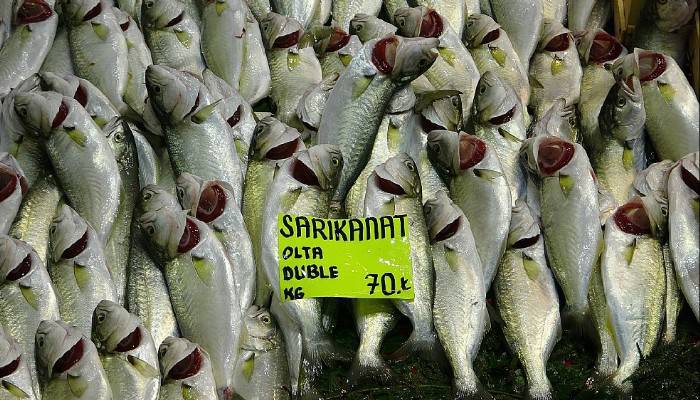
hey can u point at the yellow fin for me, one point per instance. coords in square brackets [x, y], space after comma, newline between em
[205, 112]
[695, 205]
[360, 85]
[667, 91]
[393, 137]
[290, 199]
[29, 295]
[532, 269]
[77, 136]
[345, 59]
[508, 136]
[143, 367]
[15, 390]
[628, 252]
[99, 121]
[448, 55]
[627, 158]
[499, 55]
[487, 173]
[293, 60]
[566, 183]
[220, 8]
[82, 276]
[558, 65]
[452, 258]
[219, 235]
[184, 37]
[188, 393]
[78, 385]
[129, 45]
[248, 367]
[100, 30]
[204, 269]
[388, 208]
[25, 32]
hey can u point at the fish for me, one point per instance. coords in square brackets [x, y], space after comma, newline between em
[328, 43]
[683, 209]
[312, 104]
[127, 352]
[578, 13]
[302, 11]
[567, 193]
[259, 8]
[197, 137]
[492, 50]
[255, 83]
[600, 15]
[139, 57]
[607, 359]
[460, 312]
[148, 161]
[478, 186]
[201, 286]
[361, 96]
[302, 185]
[500, 120]
[130, 7]
[15, 377]
[621, 123]
[634, 281]
[523, 27]
[555, 70]
[555, 10]
[673, 113]
[367, 27]
[172, 35]
[212, 202]
[293, 68]
[69, 363]
[345, 10]
[78, 150]
[98, 47]
[78, 268]
[13, 187]
[186, 371]
[223, 39]
[394, 188]
[527, 299]
[374, 319]
[273, 143]
[28, 297]
[261, 371]
[453, 11]
[34, 27]
[665, 26]
[454, 69]
[559, 120]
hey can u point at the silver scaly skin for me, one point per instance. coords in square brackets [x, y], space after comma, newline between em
[13, 187]
[345, 10]
[16, 379]
[88, 95]
[255, 80]
[479, 187]
[186, 371]
[27, 296]
[374, 319]
[555, 10]
[148, 161]
[303, 11]
[578, 13]
[139, 57]
[454, 12]
[367, 27]
[127, 352]
[261, 371]
[58, 58]
[79, 153]
[68, 364]
[259, 8]
[523, 27]
[130, 7]
[527, 300]
[313, 103]
[461, 318]
[223, 38]
[664, 26]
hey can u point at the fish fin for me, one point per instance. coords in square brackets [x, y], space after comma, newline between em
[667, 91]
[566, 183]
[220, 8]
[487, 173]
[204, 269]
[77, 136]
[82, 276]
[248, 364]
[448, 55]
[144, 368]
[477, 392]
[14, 390]
[293, 60]
[428, 349]
[205, 112]
[534, 82]
[374, 370]
[628, 252]
[29, 295]
[499, 55]
[627, 158]
[77, 385]
[129, 45]
[360, 85]
[508, 136]
[100, 30]
[388, 208]
[557, 66]
[345, 59]
[184, 37]
[290, 198]
[322, 352]
[188, 393]
[532, 269]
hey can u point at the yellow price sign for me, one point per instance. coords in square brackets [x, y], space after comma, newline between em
[356, 257]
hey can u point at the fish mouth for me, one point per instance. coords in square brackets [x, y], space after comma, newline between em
[560, 42]
[76, 248]
[287, 40]
[428, 125]
[302, 173]
[94, 11]
[69, 358]
[32, 11]
[80, 95]
[187, 367]
[431, 25]
[234, 119]
[690, 180]
[130, 342]
[491, 36]
[554, 154]
[176, 20]
[212, 202]
[125, 25]
[384, 54]
[471, 151]
[282, 151]
[632, 218]
[526, 242]
[502, 119]
[338, 40]
[604, 48]
[651, 65]
[195, 105]
[190, 237]
[10, 368]
[20, 270]
[60, 116]
[8, 183]
[448, 231]
[385, 185]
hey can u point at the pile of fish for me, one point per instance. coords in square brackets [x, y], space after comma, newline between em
[140, 191]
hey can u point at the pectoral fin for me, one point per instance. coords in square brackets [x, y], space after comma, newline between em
[532, 269]
[184, 37]
[14, 390]
[360, 85]
[29, 295]
[566, 183]
[100, 30]
[78, 385]
[557, 66]
[82, 276]
[487, 174]
[293, 60]
[204, 269]
[205, 112]
[508, 136]
[77, 136]
[667, 91]
[144, 368]
[448, 55]
[499, 55]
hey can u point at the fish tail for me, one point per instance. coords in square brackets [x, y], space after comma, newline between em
[471, 389]
[427, 348]
[539, 387]
[370, 368]
[325, 352]
[578, 321]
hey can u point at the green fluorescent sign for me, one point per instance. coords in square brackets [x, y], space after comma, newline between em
[357, 257]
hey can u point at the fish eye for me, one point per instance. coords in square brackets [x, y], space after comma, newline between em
[435, 148]
[149, 4]
[100, 317]
[335, 161]
[482, 89]
[40, 341]
[422, 62]
[455, 101]
[52, 230]
[147, 196]
[402, 22]
[162, 351]
[410, 166]
[662, 2]
[621, 102]
[119, 137]
[150, 230]
[265, 26]
[156, 88]
[265, 319]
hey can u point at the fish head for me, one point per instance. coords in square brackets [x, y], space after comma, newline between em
[326, 39]
[409, 19]
[41, 111]
[206, 200]
[669, 15]
[259, 323]
[17, 259]
[154, 198]
[404, 59]
[554, 37]
[173, 94]
[555, 122]
[69, 234]
[623, 113]
[12, 177]
[114, 329]
[524, 229]
[170, 231]
[632, 218]
[159, 14]
[368, 27]
[403, 100]
[31, 11]
[442, 217]
[644, 64]
[318, 166]
[440, 110]
[443, 150]
[280, 32]
[480, 30]
[652, 185]
[58, 346]
[689, 168]
[119, 136]
[180, 359]
[547, 155]
[599, 47]
[75, 12]
[495, 101]
[398, 176]
[274, 140]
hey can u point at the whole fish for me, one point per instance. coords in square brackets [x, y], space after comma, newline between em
[201, 286]
[197, 137]
[664, 26]
[186, 371]
[359, 99]
[479, 188]
[527, 299]
[255, 82]
[261, 371]
[69, 364]
[499, 119]
[139, 57]
[673, 113]
[98, 47]
[58, 59]
[460, 298]
[79, 153]
[684, 199]
[491, 48]
[394, 188]
[367, 27]
[555, 70]
[523, 27]
[345, 10]
[27, 298]
[567, 193]
[273, 143]
[78, 269]
[634, 282]
[374, 319]
[13, 187]
[302, 11]
[454, 68]
[15, 377]
[172, 35]
[127, 353]
[453, 11]
[293, 68]
[223, 39]
[621, 125]
[23, 52]
[212, 202]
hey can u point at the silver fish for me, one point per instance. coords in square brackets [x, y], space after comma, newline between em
[523, 27]
[139, 57]
[374, 319]
[328, 43]
[664, 26]
[578, 13]
[58, 58]
[555, 10]
[259, 8]
[313, 103]
[454, 12]
[256, 82]
[16, 379]
[223, 39]
[367, 27]
[300, 10]
[346, 10]
[186, 371]
[13, 187]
